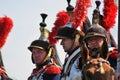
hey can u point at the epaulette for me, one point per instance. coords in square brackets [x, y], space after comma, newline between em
[113, 53]
[53, 69]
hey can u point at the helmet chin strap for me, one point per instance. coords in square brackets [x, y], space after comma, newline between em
[48, 55]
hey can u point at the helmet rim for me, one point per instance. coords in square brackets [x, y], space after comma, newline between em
[89, 35]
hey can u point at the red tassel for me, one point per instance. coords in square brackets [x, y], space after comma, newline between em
[6, 25]
[80, 12]
[109, 11]
[62, 19]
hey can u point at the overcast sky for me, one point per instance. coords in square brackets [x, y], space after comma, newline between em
[26, 17]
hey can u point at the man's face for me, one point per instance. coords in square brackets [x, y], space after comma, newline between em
[38, 55]
[67, 44]
[95, 42]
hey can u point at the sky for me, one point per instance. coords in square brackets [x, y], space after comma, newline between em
[26, 18]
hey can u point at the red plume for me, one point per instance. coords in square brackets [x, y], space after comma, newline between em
[6, 25]
[62, 19]
[109, 12]
[80, 12]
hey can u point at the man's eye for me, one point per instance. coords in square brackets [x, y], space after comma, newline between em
[40, 52]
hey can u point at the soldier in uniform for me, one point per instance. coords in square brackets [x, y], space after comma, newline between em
[70, 42]
[98, 29]
[43, 56]
[95, 41]
[46, 69]
[101, 20]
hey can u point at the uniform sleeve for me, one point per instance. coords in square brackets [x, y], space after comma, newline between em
[51, 76]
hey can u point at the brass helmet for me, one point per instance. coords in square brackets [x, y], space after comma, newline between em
[39, 44]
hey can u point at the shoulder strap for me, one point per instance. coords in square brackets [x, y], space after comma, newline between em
[68, 64]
